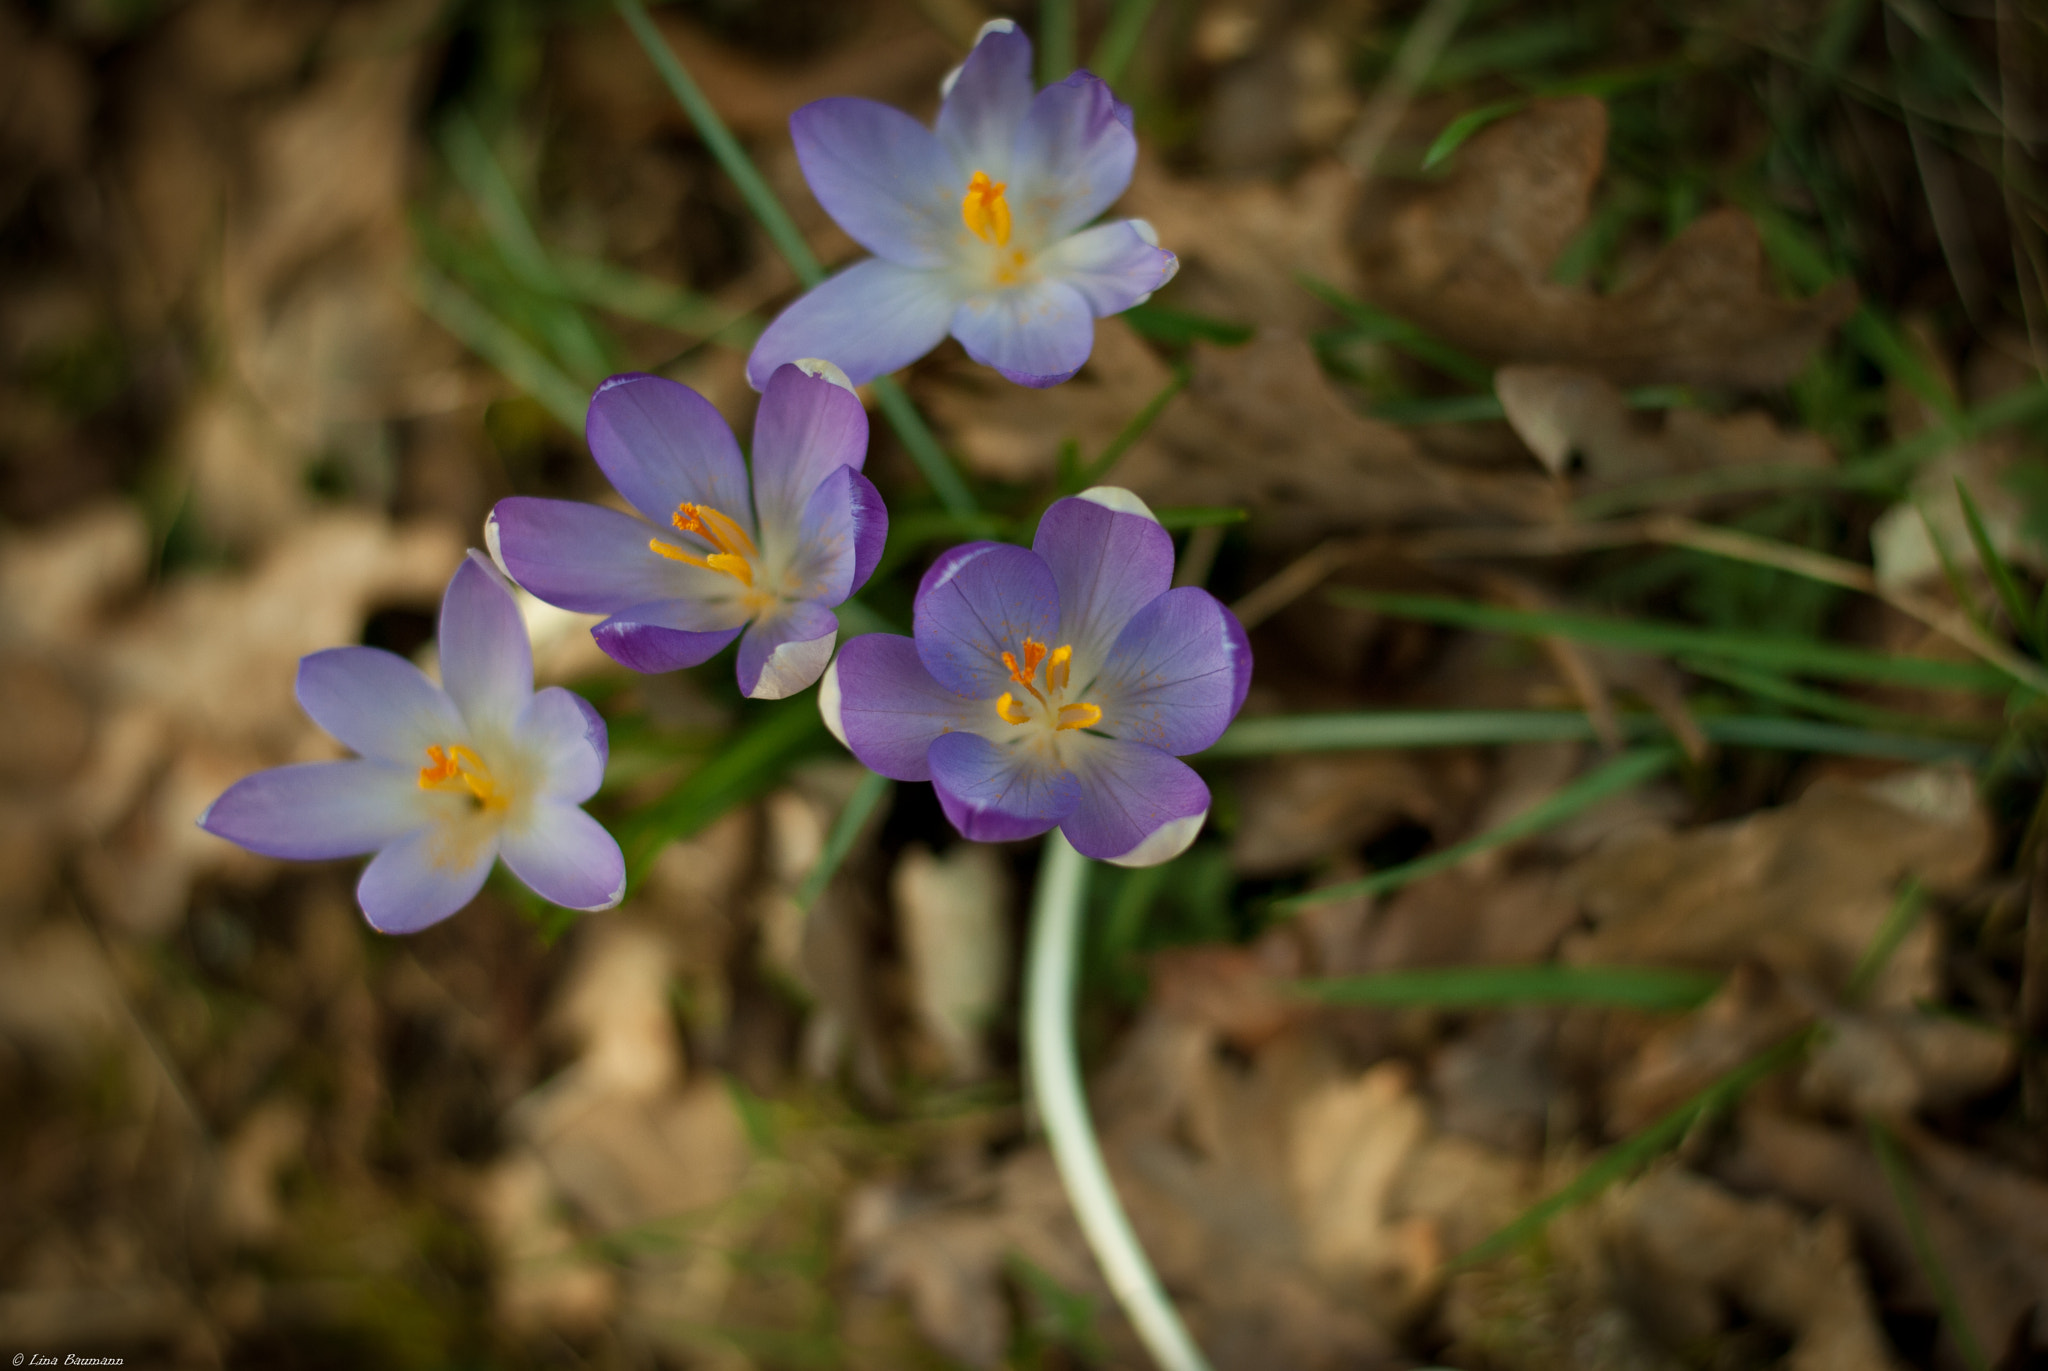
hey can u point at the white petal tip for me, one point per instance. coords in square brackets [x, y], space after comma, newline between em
[823, 370]
[1118, 499]
[828, 704]
[995, 26]
[1164, 843]
[1143, 228]
[793, 666]
[491, 541]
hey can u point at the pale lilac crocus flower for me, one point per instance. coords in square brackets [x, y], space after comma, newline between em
[717, 555]
[451, 777]
[1053, 685]
[976, 226]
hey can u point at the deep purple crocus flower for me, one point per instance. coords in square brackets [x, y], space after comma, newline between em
[771, 559]
[451, 776]
[976, 225]
[1053, 685]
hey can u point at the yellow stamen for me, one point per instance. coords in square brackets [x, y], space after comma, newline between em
[456, 767]
[1058, 665]
[735, 549]
[1012, 712]
[1080, 715]
[984, 210]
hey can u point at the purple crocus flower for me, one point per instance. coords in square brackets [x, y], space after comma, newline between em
[451, 776]
[976, 225]
[721, 557]
[1054, 685]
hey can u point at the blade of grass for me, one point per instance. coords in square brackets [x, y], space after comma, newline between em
[1179, 518]
[1907, 907]
[859, 808]
[748, 765]
[1622, 774]
[1492, 987]
[497, 343]
[1056, 40]
[1089, 473]
[931, 459]
[1381, 326]
[634, 296]
[1179, 327]
[1898, 1178]
[1768, 686]
[1998, 569]
[1119, 40]
[1464, 126]
[1951, 571]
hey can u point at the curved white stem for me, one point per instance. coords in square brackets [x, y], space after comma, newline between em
[1049, 992]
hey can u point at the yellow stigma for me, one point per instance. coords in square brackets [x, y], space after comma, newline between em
[984, 210]
[735, 549]
[1059, 662]
[457, 768]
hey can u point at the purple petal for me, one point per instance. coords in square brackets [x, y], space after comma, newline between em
[838, 540]
[1176, 674]
[806, 428]
[995, 794]
[566, 857]
[592, 559]
[662, 444]
[1108, 565]
[377, 703]
[1075, 152]
[880, 701]
[1137, 807]
[486, 659]
[1112, 265]
[785, 652]
[869, 320]
[1036, 335]
[883, 177]
[666, 635]
[320, 809]
[565, 743]
[870, 529]
[986, 104]
[976, 603]
[423, 878]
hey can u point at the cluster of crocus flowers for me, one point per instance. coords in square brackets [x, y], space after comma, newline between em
[1055, 685]
[976, 226]
[450, 777]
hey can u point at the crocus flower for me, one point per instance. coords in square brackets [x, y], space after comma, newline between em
[718, 559]
[1053, 685]
[451, 776]
[976, 225]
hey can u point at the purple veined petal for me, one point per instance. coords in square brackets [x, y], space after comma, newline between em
[1075, 153]
[1137, 806]
[662, 444]
[318, 810]
[377, 703]
[806, 428]
[1176, 675]
[869, 320]
[785, 652]
[976, 603]
[566, 857]
[1036, 335]
[667, 635]
[995, 794]
[486, 657]
[883, 177]
[591, 559]
[986, 101]
[1113, 265]
[1108, 565]
[838, 541]
[425, 876]
[565, 743]
[878, 699]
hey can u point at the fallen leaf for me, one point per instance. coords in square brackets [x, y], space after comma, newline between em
[952, 915]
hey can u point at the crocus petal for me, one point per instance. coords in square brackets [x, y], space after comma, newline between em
[1176, 675]
[1108, 565]
[661, 445]
[869, 320]
[565, 743]
[783, 653]
[986, 103]
[486, 659]
[1112, 265]
[839, 539]
[977, 602]
[377, 703]
[320, 809]
[424, 877]
[994, 793]
[666, 635]
[805, 429]
[1137, 806]
[880, 701]
[883, 177]
[1036, 335]
[1075, 152]
[566, 857]
[592, 559]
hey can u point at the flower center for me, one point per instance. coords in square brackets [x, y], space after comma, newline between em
[736, 550]
[1057, 664]
[984, 210]
[457, 768]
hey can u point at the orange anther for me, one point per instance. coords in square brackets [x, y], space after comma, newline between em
[1011, 711]
[1080, 716]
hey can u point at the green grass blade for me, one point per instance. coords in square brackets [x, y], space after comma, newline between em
[1380, 326]
[1176, 328]
[1898, 1178]
[1906, 910]
[502, 346]
[632, 295]
[1494, 987]
[1464, 126]
[938, 469]
[1091, 473]
[1119, 41]
[1997, 568]
[753, 761]
[1056, 40]
[1768, 686]
[1951, 571]
[1624, 773]
[1180, 518]
[860, 806]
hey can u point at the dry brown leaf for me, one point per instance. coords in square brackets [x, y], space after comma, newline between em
[1680, 1058]
[1887, 1065]
[1298, 810]
[952, 917]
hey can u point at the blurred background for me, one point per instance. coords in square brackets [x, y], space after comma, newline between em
[1720, 321]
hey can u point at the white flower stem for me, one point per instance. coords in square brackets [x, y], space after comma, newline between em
[1050, 978]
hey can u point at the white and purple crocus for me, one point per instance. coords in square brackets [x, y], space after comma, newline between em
[1055, 685]
[716, 554]
[976, 226]
[451, 777]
